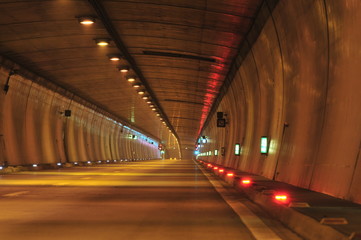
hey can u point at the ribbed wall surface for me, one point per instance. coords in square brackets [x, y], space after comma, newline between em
[34, 129]
[299, 85]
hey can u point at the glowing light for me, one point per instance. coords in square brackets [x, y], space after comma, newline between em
[89, 162]
[1, 168]
[124, 69]
[35, 165]
[216, 152]
[76, 163]
[281, 198]
[230, 174]
[102, 42]
[136, 85]
[86, 20]
[141, 92]
[264, 145]
[59, 164]
[237, 149]
[209, 165]
[215, 168]
[246, 182]
[221, 170]
[130, 79]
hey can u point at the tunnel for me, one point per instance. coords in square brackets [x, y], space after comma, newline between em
[138, 105]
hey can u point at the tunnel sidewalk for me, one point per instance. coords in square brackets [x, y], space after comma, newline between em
[311, 214]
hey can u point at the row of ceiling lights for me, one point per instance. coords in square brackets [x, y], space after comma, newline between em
[87, 20]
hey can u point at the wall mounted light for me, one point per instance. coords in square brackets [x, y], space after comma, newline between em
[86, 20]
[237, 149]
[264, 145]
[102, 41]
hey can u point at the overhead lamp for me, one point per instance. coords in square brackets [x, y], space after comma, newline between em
[102, 41]
[130, 78]
[151, 105]
[124, 69]
[158, 115]
[86, 20]
[149, 102]
[145, 97]
[137, 85]
[141, 92]
[153, 109]
[114, 57]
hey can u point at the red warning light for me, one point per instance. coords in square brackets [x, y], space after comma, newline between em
[246, 182]
[215, 168]
[209, 165]
[281, 198]
[230, 174]
[221, 170]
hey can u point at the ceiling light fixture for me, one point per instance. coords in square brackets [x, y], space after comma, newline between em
[114, 58]
[130, 78]
[141, 92]
[86, 20]
[137, 85]
[124, 69]
[154, 109]
[145, 97]
[102, 41]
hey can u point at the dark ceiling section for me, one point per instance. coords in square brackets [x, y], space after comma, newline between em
[182, 51]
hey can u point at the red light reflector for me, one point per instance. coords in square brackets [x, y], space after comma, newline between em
[215, 168]
[246, 182]
[221, 170]
[230, 174]
[281, 197]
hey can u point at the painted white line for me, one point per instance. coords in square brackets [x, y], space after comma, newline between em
[255, 225]
[15, 194]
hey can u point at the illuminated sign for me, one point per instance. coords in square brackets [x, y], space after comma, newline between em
[237, 149]
[264, 145]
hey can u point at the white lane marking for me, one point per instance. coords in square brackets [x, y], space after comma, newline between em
[15, 194]
[255, 225]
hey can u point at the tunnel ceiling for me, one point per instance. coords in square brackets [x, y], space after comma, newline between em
[180, 52]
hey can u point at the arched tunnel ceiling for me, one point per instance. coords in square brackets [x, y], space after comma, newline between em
[182, 49]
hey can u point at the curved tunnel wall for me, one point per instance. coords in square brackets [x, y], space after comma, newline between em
[299, 85]
[35, 130]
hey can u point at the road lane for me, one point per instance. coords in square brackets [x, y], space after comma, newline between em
[145, 200]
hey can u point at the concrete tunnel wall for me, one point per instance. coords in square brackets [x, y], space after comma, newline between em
[299, 85]
[34, 129]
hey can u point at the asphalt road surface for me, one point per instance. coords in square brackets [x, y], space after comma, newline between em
[150, 200]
